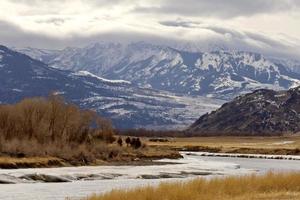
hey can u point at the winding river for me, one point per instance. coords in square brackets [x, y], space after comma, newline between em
[79, 182]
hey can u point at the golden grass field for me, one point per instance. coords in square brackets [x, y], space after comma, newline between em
[253, 187]
[264, 145]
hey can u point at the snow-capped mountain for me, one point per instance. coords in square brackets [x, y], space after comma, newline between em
[219, 74]
[128, 106]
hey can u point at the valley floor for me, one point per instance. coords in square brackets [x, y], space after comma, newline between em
[283, 145]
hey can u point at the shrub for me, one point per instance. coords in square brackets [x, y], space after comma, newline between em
[128, 141]
[135, 143]
[120, 141]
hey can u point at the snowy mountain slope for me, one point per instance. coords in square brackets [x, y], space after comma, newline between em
[44, 55]
[220, 74]
[128, 106]
[292, 64]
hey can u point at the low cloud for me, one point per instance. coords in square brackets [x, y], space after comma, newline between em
[180, 23]
[220, 8]
[53, 20]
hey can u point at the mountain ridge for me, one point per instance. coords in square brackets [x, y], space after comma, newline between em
[218, 74]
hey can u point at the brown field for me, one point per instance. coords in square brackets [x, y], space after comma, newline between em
[268, 187]
[264, 145]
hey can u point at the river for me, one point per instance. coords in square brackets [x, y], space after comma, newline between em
[84, 181]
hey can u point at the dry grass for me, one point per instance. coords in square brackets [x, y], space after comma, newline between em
[149, 153]
[264, 145]
[32, 162]
[269, 186]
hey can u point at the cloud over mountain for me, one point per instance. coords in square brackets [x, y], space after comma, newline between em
[265, 25]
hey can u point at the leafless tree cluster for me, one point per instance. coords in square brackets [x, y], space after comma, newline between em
[51, 121]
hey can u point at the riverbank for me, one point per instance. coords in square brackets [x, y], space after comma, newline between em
[31, 162]
[118, 156]
[269, 186]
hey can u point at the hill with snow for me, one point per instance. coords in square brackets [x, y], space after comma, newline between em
[262, 112]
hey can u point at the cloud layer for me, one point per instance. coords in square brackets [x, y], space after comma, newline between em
[221, 8]
[270, 26]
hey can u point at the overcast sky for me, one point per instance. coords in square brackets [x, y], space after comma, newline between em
[261, 24]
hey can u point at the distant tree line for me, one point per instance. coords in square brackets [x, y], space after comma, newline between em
[152, 133]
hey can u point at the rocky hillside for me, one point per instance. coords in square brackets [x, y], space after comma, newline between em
[128, 106]
[263, 112]
[219, 74]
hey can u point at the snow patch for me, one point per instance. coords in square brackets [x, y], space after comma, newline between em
[88, 74]
[17, 90]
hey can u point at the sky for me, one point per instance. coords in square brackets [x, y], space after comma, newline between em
[271, 26]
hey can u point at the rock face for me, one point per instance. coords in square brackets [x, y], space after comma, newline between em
[127, 105]
[219, 74]
[263, 112]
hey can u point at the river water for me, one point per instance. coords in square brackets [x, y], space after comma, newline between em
[85, 181]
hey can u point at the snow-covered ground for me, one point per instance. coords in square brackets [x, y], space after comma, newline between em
[85, 181]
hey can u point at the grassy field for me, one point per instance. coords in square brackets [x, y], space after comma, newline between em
[267, 187]
[264, 145]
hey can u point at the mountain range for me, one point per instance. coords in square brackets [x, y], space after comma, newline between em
[127, 105]
[217, 74]
[155, 86]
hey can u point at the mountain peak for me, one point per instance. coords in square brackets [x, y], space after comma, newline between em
[3, 48]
